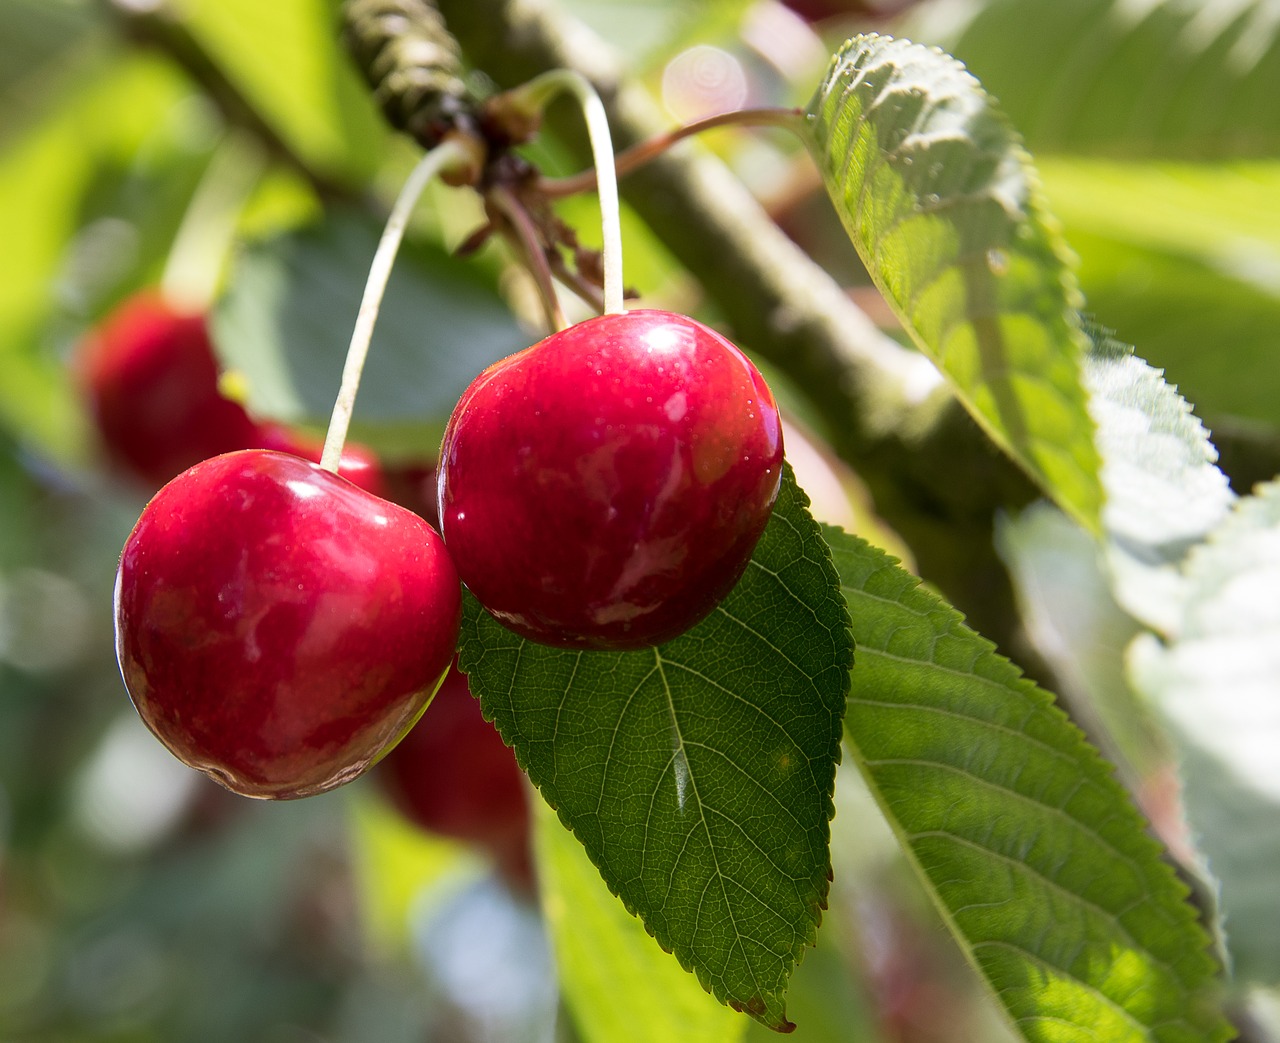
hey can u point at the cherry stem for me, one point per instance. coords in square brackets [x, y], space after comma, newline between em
[521, 226]
[638, 155]
[451, 151]
[534, 95]
[204, 237]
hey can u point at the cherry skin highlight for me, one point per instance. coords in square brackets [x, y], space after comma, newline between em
[453, 775]
[151, 380]
[279, 628]
[358, 464]
[606, 487]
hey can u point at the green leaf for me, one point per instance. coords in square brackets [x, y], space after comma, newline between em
[1168, 78]
[36, 39]
[398, 867]
[1215, 681]
[939, 198]
[652, 33]
[1174, 306]
[617, 983]
[1071, 617]
[1222, 213]
[83, 215]
[287, 59]
[286, 320]
[698, 775]
[1038, 860]
[1179, 256]
[1164, 491]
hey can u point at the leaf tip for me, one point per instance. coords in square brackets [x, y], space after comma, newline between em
[758, 1008]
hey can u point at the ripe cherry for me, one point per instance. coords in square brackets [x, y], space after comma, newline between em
[606, 487]
[359, 464]
[453, 775]
[151, 379]
[413, 485]
[279, 628]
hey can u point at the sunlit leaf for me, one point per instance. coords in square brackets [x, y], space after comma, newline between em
[1223, 213]
[286, 57]
[1179, 257]
[1217, 680]
[1037, 858]
[1164, 491]
[86, 210]
[1073, 621]
[1172, 78]
[1175, 307]
[397, 865]
[698, 775]
[616, 982]
[939, 198]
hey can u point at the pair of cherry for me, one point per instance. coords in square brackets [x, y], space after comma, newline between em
[280, 628]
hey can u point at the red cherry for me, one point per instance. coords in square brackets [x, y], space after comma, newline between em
[453, 775]
[606, 487]
[818, 10]
[359, 464]
[151, 379]
[413, 485]
[279, 628]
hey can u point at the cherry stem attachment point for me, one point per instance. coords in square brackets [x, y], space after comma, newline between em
[534, 95]
[450, 153]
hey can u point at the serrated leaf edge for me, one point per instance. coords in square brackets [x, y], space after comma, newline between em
[1032, 209]
[814, 913]
[910, 588]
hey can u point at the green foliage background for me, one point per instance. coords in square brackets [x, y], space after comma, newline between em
[991, 876]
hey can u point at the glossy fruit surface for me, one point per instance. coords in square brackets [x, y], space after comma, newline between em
[606, 487]
[453, 775]
[151, 378]
[279, 628]
[359, 464]
[413, 486]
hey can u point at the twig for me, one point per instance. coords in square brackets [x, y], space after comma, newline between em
[638, 155]
[529, 243]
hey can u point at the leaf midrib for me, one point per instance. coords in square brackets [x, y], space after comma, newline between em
[718, 875]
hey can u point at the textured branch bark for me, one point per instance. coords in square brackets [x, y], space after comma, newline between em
[935, 476]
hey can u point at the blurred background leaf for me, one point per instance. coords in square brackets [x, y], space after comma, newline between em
[1168, 78]
[1215, 680]
[89, 199]
[1184, 260]
[618, 984]
[140, 904]
[286, 319]
[287, 61]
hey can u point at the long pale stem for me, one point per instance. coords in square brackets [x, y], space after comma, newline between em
[428, 167]
[535, 93]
